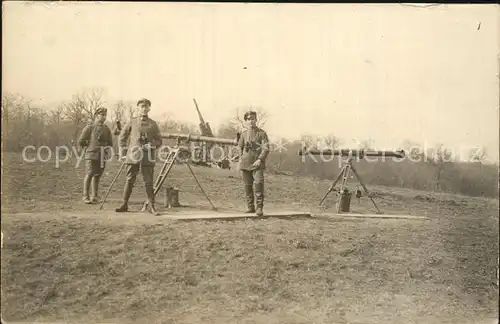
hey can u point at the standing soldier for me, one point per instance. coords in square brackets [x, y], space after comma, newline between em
[118, 128]
[96, 139]
[254, 149]
[116, 132]
[143, 135]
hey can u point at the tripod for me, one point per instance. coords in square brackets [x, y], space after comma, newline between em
[344, 174]
[165, 170]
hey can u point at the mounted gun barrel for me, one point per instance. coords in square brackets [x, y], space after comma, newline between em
[198, 138]
[353, 152]
[205, 128]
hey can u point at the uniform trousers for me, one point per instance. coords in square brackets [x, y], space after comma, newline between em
[147, 171]
[94, 167]
[253, 177]
[94, 170]
[254, 187]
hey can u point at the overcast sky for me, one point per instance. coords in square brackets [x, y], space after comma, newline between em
[385, 72]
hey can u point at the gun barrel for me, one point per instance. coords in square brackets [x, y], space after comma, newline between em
[198, 138]
[206, 130]
[202, 121]
[354, 153]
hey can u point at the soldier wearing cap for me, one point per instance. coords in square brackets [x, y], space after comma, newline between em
[139, 139]
[96, 139]
[254, 149]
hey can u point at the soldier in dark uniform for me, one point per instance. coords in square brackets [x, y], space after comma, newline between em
[96, 139]
[144, 138]
[254, 149]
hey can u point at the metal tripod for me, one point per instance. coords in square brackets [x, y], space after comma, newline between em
[344, 174]
[165, 170]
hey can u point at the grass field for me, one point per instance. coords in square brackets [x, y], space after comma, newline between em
[114, 268]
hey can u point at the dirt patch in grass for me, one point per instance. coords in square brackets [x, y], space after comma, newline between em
[93, 269]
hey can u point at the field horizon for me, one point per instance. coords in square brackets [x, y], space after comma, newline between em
[102, 267]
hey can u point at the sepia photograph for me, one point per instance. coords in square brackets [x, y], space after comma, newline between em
[250, 163]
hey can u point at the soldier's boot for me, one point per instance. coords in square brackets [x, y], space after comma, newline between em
[259, 199]
[126, 196]
[249, 196]
[86, 187]
[95, 189]
[151, 200]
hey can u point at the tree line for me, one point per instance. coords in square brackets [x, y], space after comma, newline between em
[433, 169]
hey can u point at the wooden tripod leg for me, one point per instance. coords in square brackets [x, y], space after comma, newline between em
[159, 181]
[333, 185]
[365, 188]
[201, 188]
[162, 176]
[111, 185]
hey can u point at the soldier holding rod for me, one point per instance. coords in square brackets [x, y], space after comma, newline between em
[143, 135]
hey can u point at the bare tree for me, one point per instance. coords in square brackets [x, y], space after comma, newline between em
[83, 106]
[228, 129]
[15, 120]
[118, 111]
[57, 115]
[167, 123]
[55, 123]
[439, 157]
[8, 105]
[281, 150]
[87, 102]
[367, 144]
[308, 141]
[238, 123]
[93, 100]
[477, 154]
[10, 110]
[29, 113]
[75, 112]
[413, 150]
[331, 141]
[322, 143]
[132, 111]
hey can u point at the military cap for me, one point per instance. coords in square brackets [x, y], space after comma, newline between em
[144, 101]
[249, 113]
[101, 111]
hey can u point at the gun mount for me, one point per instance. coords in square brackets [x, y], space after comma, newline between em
[224, 163]
[359, 153]
[199, 138]
[205, 128]
[345, 171]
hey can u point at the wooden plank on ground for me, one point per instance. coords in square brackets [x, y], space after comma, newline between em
[222, 216]
[347, 215]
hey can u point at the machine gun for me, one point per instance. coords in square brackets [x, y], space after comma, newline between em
[224, 163]
[181, 152]
[345, 171]
[353, 153]
[199, 138]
